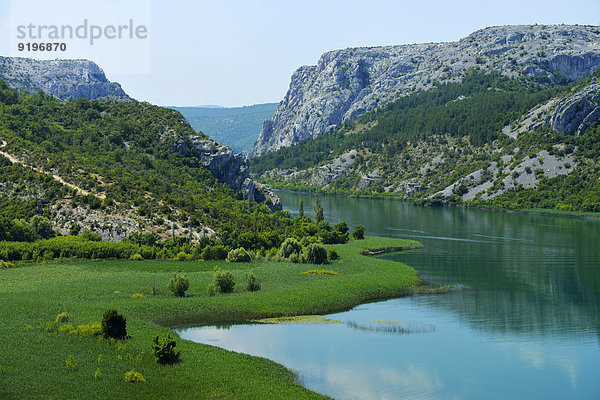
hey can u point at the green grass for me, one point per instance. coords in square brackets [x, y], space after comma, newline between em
[33, 363]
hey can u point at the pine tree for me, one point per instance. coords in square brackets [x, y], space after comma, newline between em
[318, 209]
[301, 208]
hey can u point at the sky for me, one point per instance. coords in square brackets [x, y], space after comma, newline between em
[243, 52]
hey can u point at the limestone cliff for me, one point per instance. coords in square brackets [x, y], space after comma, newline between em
[347, 83]
[63, 79]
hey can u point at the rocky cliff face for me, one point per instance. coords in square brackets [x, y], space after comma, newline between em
[63, 79]
[230, 168]
[347, 83]
[574, 114]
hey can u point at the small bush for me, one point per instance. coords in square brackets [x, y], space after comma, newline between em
[214, 253]
[66, 328]
[62, 317]
[164, 350]
[238, 255]
[332, 255]
[70, 362]
[136, 257]
[134, 377]
[97, 374]
[294, 258]
[358, 232]
[316, 253]
[6, 265]
[223, 280]
[178, 285]
[138, 296]
[86, 234]
[114, 325]
[212, 289]
[320, 272]
[183, 256]
[290, 246]
[252, 284]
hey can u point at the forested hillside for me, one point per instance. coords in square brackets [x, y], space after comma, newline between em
[237, 127]
[486, 140]
[134, 171]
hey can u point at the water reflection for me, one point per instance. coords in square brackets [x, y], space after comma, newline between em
[528, 327]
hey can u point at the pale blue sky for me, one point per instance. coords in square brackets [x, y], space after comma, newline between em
[238, 52]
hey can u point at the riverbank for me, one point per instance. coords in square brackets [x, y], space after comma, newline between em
[33, 294]
[529, 211]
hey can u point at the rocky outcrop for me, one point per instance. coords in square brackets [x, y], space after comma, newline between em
[230, 168]
[347, 83]
[64, 79]
[574, 114]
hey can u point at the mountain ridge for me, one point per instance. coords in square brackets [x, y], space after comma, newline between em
[347, 83]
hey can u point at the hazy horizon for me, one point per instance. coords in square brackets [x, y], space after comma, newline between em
[235, 53]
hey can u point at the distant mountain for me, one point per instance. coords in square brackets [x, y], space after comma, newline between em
[347, 83]
[64, 79]
[237, 127]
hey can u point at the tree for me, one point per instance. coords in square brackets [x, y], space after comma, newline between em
[358, 232]
[318, 208]
[301, 208]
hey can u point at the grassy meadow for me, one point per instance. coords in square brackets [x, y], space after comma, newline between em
[36, 364]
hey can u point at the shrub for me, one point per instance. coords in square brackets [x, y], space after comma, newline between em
[66, 328]
[70, 362]
[86, 234]
[316, 253]
[97, 374]
[212, 289]
[134, 377]
[252, 284]
[6, 265]
[163, 349]
[319, 272]
[341, 227]
[183, 256]
[223, 280]
[358, 232]
[290, 246]
[62, 317]
[91, 329]
[238, 255]
[136, 257]
[332, 255]
[138, 296]
[214, 253]
[114, 325]
[178, 285]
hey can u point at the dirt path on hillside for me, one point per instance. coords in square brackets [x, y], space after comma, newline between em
[57, 178]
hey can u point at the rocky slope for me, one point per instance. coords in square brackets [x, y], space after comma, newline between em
[347, 83]
[63, 79]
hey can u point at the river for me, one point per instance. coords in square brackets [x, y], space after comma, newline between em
[527, 327]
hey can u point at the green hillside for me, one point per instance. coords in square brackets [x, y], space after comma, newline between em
[237, 127]
[435, 146]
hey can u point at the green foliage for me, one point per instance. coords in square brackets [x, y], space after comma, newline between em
[179, 284]
[290, 246]
[134, 377]
[318, 209]
[223, 281]
[300, 208]
[70, 362]
[238, 255]
[358, 232]
[332, 255]
[91, 329]
[316, 254]
[183, 256]
[62, 317]
[6, 265]
[252, 284]
[164, 350]
[86, 234]
[217, 252]
[136, 257]
[114, 325]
